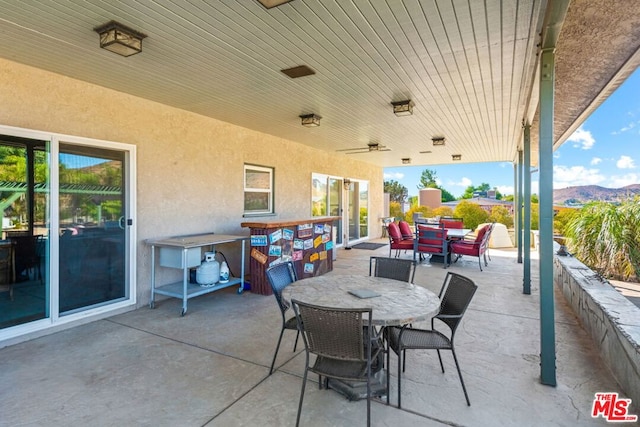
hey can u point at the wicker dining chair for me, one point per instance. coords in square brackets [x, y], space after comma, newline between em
[455, 296]
[342, 339]
[392, 268]
[280, 276]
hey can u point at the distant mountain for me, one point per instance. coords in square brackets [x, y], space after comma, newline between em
[588, 193]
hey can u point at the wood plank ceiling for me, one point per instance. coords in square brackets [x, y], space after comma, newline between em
[468, 66]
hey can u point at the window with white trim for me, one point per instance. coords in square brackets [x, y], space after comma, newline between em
[258, 190]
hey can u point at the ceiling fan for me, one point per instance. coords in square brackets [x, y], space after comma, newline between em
[372, 146]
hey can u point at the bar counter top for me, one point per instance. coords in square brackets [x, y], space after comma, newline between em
[287, 222]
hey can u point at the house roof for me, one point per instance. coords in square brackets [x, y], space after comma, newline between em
[469, 67]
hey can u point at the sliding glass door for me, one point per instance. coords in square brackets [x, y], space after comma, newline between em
[92, 225]
[24, 197]
[66, 228]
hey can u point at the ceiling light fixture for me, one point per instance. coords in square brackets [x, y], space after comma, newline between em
[310, 120]
[268, 4]
[406, 161]
[456, 157]
[119, 38]
[438, 140]
[403, 108]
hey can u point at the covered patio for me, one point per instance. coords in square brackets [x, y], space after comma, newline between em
[153, 367]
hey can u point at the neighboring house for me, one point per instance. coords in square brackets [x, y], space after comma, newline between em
[485, 203]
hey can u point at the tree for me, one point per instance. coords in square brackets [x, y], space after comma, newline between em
[425, 210]
[395, 209]
[442, 211]
[472, 214]
[606, 237]
[563, 218]
[428, 179]
[501, 214]
[397, 192]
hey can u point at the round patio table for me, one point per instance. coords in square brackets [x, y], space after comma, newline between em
[397, 303]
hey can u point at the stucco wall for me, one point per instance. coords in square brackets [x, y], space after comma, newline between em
[189, 167]
[611, 319]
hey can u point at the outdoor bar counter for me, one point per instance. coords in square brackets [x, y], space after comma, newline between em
[308, 243]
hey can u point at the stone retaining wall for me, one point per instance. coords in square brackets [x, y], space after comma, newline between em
[610, 318]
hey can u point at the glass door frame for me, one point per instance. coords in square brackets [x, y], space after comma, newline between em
[51, 270]
[129, 185]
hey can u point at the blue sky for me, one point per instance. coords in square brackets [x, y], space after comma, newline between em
[604, 151]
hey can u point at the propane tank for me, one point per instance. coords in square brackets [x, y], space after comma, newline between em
[208, 273]
[224, 272]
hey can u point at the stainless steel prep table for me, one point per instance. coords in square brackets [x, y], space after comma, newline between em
[185, 252]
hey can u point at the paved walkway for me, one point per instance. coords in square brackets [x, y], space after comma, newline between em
[210, 368]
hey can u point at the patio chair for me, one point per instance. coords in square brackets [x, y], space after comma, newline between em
[477, 247]
[342, 346]
[452, 222]
[455, 296]
[432, 240]
[7, 272]
[396, 241]
[279, 277]
[27, 256]
[405, 230]
[392, 268]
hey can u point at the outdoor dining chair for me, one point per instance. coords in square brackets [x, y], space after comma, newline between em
[431, 239]
[392, 268]
[455, 296]
[341, 345]
[477, 248]
[396, 241]
[279, 277]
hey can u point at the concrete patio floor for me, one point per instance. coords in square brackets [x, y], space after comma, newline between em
[210, 367]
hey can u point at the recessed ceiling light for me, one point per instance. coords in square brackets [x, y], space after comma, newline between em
[406, 161]
[456, 157]
[272, 3]
[299, 71]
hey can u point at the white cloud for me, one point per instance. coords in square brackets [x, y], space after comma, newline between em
[618, 181]
[464, 182]
[625, 162]
[505, 189]
[396, 176]
[582, 139]
[627, 127]
[565, 176]
[596, 160]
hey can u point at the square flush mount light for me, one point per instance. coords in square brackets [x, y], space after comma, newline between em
[403, 108]
[456, 157]
[268, 4]
[119, 38]
[438, 140]
[406, 161]
[310, 120]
